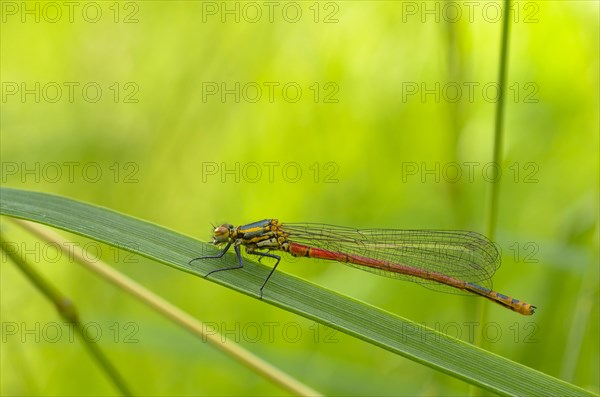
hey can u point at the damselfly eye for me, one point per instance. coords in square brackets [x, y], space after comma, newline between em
[221, 234]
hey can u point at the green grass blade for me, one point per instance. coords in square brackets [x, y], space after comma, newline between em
[492, 210]
[67, 310]
[398, 335]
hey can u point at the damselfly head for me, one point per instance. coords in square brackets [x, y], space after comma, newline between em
[221, 233]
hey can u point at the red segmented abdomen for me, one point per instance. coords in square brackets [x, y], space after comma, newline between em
[514, 304]
[312, 252]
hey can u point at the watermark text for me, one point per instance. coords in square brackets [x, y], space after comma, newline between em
[467, 91]
[270, 11]
[469, 11]
[271, 172]
[270, 332]
[69, 92]
[269, 91]
[490, 332]
[469, 172]
[53, 252]
[68, 171]
[69, 11]
[67, 332]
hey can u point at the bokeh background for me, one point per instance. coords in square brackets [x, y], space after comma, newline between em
[357, 113]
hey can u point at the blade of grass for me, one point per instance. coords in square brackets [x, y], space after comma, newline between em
[68, 312]
[492, 207]
[383, 329]
[175, 314]
[492, 210]
[492, 204]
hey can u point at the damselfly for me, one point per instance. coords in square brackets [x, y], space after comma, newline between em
[453, 261]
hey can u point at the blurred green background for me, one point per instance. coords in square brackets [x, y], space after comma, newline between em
[357, 113]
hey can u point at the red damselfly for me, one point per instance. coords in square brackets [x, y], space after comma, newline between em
[448, 260]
